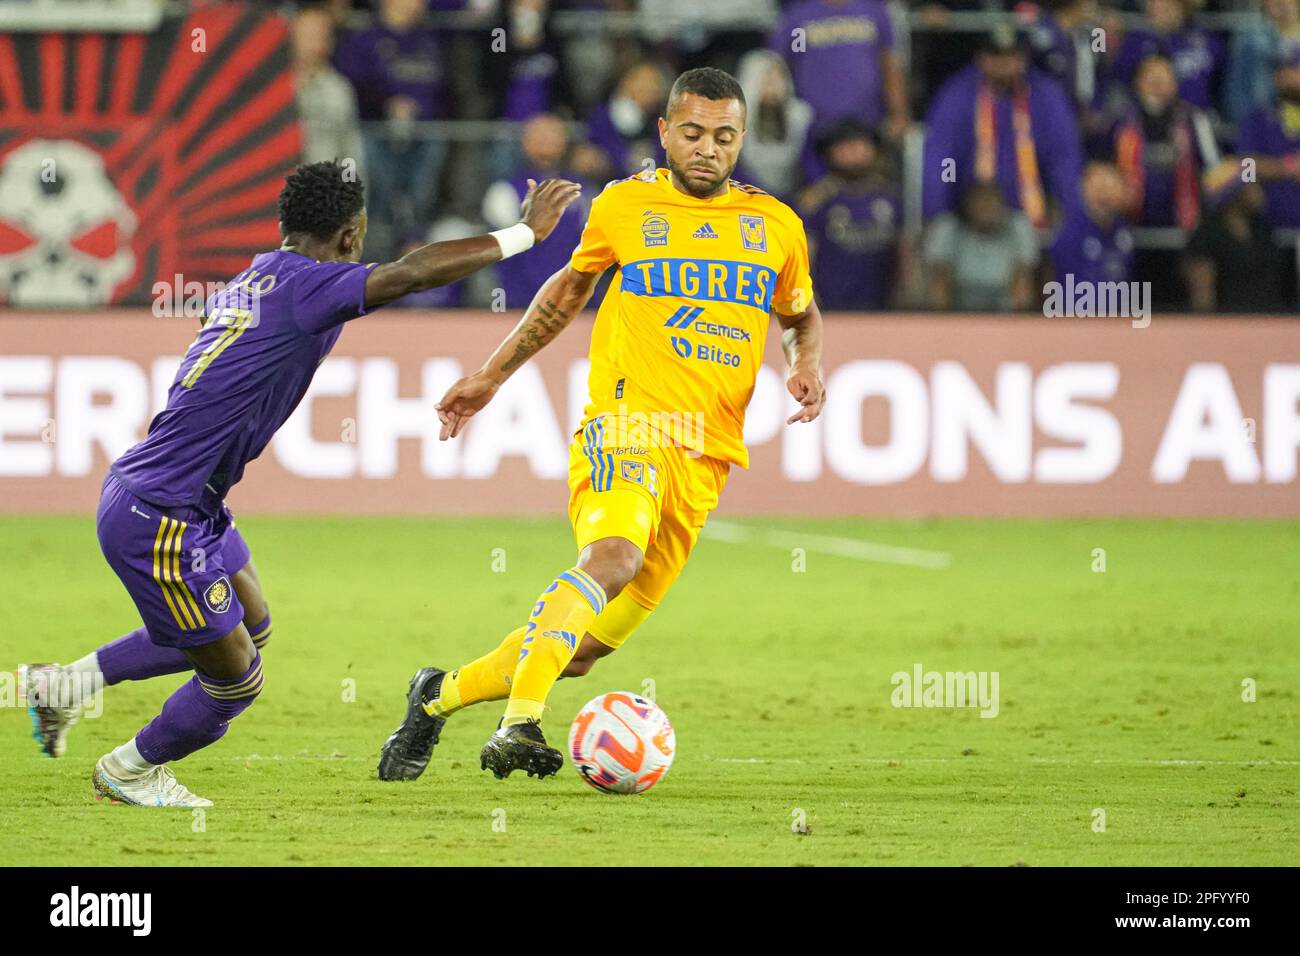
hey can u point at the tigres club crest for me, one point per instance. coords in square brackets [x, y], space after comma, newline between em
[753, 233]
[217, 596]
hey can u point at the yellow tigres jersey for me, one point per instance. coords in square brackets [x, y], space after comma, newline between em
[682, 328]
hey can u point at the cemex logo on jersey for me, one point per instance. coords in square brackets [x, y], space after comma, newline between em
[685, 318]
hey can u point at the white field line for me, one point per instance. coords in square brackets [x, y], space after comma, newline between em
[852, 548]
[881, 761]
[901, 761]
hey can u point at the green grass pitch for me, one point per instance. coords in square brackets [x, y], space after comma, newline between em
[1120, 692]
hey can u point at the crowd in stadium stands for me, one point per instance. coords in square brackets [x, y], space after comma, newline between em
[1120, 143]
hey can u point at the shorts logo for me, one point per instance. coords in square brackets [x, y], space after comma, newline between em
[217, 596]
[655, 229]
[753, 233]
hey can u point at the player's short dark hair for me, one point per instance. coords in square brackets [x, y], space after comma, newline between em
[321, 198]
[709, 83]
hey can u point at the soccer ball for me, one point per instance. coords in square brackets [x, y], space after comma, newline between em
[622, 743]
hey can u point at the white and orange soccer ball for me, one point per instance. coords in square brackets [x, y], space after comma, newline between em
[622, 743]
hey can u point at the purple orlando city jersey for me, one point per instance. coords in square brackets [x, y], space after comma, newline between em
[243, 376]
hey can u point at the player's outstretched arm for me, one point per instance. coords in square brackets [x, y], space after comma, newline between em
[801, 338]
[559, 299]
[441, 263]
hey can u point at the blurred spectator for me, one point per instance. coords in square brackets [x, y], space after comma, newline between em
[1059, 43]
[395, 64]
[1196, 55]
[1162, 146]
[327, 107]
[936, 50]
[1271, 137]
[1231, 263]
[534, 73]
[626, 126]
[714, 34]
[1094, 243]
[1248, 84]
[591, 58]
[845, 62]
[999, 120]
[777, 125]
[853, 217]
[396, 67]
[982, 259]
[546, 154]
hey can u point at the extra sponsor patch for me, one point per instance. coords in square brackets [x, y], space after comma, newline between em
[655, 229]
[218, 595]
[753, 233]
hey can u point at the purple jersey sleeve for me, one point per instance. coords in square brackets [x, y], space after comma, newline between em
[329, 294]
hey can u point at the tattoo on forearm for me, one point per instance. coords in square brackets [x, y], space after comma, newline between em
[546, 323]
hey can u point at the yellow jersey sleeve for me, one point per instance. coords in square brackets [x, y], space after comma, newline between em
[793, 293]
[595, 252]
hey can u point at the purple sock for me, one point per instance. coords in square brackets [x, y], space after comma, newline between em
[198, 714]
[135, 657]
[261, 633]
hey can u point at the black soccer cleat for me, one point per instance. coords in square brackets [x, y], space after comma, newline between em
[520, 747]
[406, 753]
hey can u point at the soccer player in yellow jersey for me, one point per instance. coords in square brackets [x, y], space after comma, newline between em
[702, 261]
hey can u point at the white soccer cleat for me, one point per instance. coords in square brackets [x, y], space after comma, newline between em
[156, 787]
[44, 689]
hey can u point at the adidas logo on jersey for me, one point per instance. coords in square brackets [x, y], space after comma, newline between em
[704, 232]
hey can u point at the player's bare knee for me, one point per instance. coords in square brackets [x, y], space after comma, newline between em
[226, 659]
[613, 563]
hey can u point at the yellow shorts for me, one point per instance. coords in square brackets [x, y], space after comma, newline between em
[657, 497]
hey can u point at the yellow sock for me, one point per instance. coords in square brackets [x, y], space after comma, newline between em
[559, 620]
[487, 678]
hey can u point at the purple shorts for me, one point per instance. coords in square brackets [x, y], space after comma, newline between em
[176, 563]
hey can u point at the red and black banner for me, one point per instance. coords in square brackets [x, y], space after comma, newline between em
[126, 159]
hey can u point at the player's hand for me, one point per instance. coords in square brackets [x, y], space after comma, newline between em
[806, 387]
[545, 204]
[462, 401]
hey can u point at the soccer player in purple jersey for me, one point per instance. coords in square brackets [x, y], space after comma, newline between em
[163, 525]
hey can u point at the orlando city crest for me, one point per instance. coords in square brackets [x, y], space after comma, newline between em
[217, 596]
[753, 233]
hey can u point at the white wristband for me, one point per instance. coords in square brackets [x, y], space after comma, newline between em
[514, 239]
